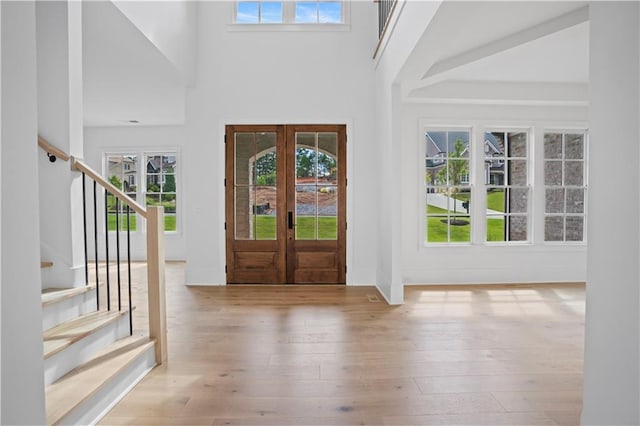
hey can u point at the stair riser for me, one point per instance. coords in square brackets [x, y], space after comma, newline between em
[56, 313]
[92, 409]
[79, 352]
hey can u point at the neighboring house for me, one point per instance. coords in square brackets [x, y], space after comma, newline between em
[157, 166]
[494, 160]
[441, 143]
[125, 169]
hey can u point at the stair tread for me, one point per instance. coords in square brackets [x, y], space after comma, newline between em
[65, 334]
[54, 295]
[81, 383]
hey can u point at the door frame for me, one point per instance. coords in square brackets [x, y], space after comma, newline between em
[345, 196]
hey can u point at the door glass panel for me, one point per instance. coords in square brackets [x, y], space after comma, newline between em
[327, 158]
[244, 149]
[316, 163]
[306, 158]
[328, 212]
[255, 192]
[306, 212]
[243, 219]
[265, 212]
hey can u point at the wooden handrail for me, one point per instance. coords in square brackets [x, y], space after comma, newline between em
[78, 165]
[155, 249]
[51, 149]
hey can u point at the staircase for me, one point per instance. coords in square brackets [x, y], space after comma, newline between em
[90, 359]
[92, 356]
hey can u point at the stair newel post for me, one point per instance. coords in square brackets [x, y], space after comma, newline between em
[156, 281]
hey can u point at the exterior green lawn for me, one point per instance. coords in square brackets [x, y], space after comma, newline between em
[437, 230]
[495, 200]
[305, 228]
[169, 222]
[495, 229]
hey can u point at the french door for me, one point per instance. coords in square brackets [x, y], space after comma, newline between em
[286, 204]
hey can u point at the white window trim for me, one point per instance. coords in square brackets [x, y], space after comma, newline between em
[288, 13]
[536, 209]
[569, 130]
[530, 167]
[141, 178]
[422, 155]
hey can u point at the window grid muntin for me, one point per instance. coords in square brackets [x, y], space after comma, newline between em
[565, 216]
[508, 162]
[165, 198]
[448, 187]
[252, 216]
[126, 160]
[322, 185]
[139, 195]
[289, 12]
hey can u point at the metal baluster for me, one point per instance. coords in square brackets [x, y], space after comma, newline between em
[95, 241]
[106, 243]
[380, 17]
[129, 269]
[84, 220]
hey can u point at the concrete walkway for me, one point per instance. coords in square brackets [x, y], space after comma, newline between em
[445, 202]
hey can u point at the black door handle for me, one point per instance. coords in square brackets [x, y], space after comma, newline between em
[290, 219]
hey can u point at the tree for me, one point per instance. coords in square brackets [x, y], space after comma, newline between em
[305, 162]
[326, 164]
[115, 181]
[169, 183]
[266, 169]
[457, 168]
[266, 164]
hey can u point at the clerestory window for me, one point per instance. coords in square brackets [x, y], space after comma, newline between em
[290, 12]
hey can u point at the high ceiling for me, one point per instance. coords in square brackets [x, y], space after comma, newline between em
[527, 52]
[125, 76]
[486, 52]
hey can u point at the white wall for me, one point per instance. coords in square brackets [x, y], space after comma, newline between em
[0, 207]
[170, 26]
[611, 373]
[22, 363]
[408, 25]
[480, 263]
[279, 77]
[99, 140]
[59, 59]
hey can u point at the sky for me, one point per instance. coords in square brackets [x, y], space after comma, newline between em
[271, 12]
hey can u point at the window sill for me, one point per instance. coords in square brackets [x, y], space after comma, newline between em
[508, 243]
[565, 243]
[288, 27]
[440, 245]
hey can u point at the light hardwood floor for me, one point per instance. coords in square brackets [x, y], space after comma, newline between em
[328, 355]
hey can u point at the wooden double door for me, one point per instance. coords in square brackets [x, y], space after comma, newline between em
[286, 204]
